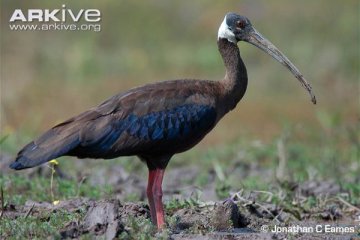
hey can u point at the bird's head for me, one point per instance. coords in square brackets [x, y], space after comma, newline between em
[237, 28]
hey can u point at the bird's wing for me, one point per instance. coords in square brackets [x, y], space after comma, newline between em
[149, 117]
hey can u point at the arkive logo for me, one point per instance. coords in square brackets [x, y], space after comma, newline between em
[55, 15]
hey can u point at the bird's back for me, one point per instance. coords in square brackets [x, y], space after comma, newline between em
[155, 119]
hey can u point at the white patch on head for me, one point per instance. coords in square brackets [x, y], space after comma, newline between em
[225, 32]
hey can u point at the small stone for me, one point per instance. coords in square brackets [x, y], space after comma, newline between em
[103, 219]
[225, 216]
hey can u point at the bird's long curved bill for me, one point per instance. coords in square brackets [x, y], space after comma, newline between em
[259, 41]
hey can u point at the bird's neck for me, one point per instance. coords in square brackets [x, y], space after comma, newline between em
[235, 80]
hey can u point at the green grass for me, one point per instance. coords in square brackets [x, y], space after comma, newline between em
[38, 227]
[18, 189]
[142, 229]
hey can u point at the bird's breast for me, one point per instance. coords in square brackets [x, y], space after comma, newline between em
[173, 130]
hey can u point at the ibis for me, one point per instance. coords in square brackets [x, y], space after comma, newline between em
[158, 120]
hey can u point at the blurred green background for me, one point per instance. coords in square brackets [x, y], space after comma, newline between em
[47, 77]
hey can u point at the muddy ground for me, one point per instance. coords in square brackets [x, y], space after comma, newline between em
[243, 215]
[221, 220]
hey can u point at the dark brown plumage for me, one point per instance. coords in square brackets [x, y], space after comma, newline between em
[157, 120]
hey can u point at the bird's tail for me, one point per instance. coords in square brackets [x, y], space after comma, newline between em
[55, 142]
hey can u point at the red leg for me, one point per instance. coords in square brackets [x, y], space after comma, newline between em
[150, 195]
[157, 195]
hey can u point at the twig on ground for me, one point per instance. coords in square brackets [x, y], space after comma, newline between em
[206, 204]
[270, 194]
[248, 202]
[278, 215]
[267, 210]
[30, 210]
[348, 204]
[238, 196]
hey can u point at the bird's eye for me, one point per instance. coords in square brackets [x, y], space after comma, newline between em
[240, 24]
